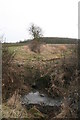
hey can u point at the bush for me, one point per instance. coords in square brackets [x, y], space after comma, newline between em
[10, 76]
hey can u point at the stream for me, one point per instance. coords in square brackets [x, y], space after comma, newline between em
[44, 103]
[41, 99]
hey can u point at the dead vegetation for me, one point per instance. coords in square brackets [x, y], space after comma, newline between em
[61, 73]
[11, 85]
[65, 83]
[11, 80]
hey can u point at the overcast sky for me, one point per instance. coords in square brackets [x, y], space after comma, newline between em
[57, 18]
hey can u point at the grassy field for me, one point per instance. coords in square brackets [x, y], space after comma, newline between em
[48, 51]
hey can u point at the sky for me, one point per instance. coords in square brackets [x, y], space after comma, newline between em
[56, 18]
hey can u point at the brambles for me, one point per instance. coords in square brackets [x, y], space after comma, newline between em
[10, 76]
[65, 84]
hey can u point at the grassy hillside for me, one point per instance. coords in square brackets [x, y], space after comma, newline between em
[47, 52]
[57, 40]
[47, 40]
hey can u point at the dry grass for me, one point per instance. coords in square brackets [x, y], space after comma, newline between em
[48, 51]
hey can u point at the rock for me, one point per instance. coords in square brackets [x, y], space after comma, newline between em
[42, 95]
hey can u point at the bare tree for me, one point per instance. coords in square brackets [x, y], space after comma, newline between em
[36, 33]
